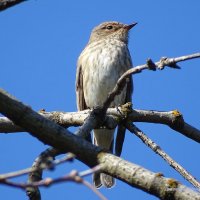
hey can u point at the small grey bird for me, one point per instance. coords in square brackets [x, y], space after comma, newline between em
[105, 58]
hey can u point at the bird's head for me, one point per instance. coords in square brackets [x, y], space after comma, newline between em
[111, 30]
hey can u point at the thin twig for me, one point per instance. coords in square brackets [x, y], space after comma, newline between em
[44, 160]
[91, 187]
[30, 169]
[170, 62]
[157, 149]
[72, 176]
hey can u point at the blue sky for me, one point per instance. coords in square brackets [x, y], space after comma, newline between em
[40, 43]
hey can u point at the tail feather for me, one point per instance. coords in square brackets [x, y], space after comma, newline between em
[97, 180]
[119, 140]
[107, 180]
[103, 138]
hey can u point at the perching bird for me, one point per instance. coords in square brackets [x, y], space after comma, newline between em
[105, 58]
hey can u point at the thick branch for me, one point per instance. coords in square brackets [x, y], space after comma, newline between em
[56, 136]
[47, 131]
[134, 175]
[65, 119]
[173, 119]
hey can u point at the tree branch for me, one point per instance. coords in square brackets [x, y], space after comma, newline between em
[56, 136]
[157, 149]
[173, 119]
[170, 62]
[72, 176]
[47, 164]
[47, 131]
[135, 175]
[4, 4]
[43, 161]
[60, 138]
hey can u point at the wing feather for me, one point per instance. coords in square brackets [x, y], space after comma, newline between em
[121, 129]
[80, 100]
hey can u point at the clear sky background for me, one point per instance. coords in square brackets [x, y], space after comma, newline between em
[39, 45]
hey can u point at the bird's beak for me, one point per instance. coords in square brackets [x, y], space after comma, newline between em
[130, 26]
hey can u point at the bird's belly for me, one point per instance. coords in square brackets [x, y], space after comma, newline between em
[101, 81]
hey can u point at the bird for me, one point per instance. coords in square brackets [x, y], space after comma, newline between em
[101, 63]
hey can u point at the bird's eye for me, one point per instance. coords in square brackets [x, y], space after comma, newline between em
[109, 27]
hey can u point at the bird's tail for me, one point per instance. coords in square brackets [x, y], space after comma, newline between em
[103, 138]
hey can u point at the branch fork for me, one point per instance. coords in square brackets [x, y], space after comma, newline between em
[50, 133]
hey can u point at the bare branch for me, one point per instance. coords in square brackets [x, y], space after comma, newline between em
[47, 131]
[58, 137]
[173, 119]
[135, 175]
[95, 190]
[4, 4]
[62, 118]
[94, 120]
[157, 149]
[65, 119]
[41, 166]
[44, 161]
[97, 116]
[90, 186]
[170, 62]
[72, 176]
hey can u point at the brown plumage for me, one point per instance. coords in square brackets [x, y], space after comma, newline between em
[105, 58]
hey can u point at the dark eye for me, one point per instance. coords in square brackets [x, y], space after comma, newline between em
[109, 27]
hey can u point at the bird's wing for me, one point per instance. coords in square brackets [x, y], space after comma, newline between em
[121, 129]
[80, 100]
